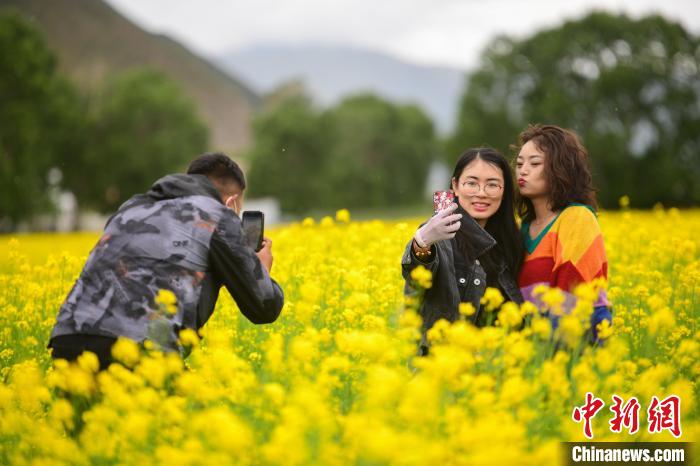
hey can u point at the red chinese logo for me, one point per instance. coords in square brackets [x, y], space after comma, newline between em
[626, 415]
[665, 415]
[588, 412]
[662, 415]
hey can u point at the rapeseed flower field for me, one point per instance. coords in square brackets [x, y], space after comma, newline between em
[334, 381]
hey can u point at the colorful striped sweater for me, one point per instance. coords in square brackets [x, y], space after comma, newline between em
[567, 252]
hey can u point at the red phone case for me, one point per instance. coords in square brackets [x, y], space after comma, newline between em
[442, 200]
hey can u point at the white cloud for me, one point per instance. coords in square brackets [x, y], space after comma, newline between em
[449, 32]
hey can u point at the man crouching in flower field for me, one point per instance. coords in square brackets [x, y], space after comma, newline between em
[159, 265]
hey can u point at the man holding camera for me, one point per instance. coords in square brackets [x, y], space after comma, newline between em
[183, 236]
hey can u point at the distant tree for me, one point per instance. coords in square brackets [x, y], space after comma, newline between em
[142, 127]
[363, 152]
[289, 152]
[630, 88]
[40, 120]
[381, 152]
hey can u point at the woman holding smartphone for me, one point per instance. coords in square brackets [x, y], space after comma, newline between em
[472, 244]
[557, 204]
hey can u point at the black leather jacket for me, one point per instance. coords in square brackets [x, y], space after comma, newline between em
[456, 278]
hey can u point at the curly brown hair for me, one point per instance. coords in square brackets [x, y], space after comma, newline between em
[565, 169]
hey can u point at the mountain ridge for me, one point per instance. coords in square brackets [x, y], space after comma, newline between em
[333, 71]
[93, 40]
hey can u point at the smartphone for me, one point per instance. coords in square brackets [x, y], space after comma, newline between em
[253, 222]
[442, 200]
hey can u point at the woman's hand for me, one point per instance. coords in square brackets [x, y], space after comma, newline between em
[441, 226]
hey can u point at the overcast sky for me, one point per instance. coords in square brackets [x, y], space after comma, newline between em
[442, 32]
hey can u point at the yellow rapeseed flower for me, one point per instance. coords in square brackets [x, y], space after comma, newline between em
[604, 329]
[126, 351]
[336, 379]
[661, 321]
[189, 338]
[571, 329]
[492, 299]
[343, 216]
[552, 297]
[422, 277]
[542, 327]
[509, 315]
[167, 300]
[466, 309]
[88, 362]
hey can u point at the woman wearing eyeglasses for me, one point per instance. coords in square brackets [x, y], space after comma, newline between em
[557, 204]
[473, 244]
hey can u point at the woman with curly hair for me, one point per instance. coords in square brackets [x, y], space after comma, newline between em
[557, 205]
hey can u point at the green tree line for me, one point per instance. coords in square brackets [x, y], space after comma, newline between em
[629, 87]
[362, 152]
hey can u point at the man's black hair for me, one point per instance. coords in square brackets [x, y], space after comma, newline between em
[217, 166]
